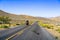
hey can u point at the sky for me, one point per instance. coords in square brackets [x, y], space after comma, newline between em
[41, 8]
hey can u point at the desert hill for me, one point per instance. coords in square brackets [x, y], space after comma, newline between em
[17, 18]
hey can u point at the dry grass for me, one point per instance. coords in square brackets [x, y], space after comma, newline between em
[54, 32]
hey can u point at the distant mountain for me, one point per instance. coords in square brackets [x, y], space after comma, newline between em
[17, 18]
[56, 18]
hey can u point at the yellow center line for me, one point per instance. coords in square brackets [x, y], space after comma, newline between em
[20, 32]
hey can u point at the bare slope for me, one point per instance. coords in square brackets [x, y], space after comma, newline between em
[17, 18]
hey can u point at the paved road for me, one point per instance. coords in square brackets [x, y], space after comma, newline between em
[35, 32]
[7, 33]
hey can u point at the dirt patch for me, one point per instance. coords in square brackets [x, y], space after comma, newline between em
[3, 28]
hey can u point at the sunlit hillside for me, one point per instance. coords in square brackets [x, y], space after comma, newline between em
[17, 18]
[50, 24]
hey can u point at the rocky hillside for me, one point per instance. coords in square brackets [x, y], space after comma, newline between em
[17, 18]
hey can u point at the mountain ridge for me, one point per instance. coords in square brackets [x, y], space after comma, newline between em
[17, 18]
[3, 13]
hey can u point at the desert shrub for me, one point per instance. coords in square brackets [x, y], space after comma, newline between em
[17, 24]
[56, 37]
[49, 26]
[1, 26]
[4, 26]
[58, 30]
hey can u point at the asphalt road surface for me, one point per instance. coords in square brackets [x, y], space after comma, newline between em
[35, 32]
[7, 33]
